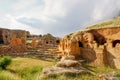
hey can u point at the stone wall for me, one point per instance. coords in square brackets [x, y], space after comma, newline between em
[6, 35]
[48, 40]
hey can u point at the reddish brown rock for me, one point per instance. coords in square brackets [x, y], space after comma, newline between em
[34, 43]
[6, 35]
[16, 46]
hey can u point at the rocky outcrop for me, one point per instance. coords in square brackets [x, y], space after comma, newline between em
[99, 46]
[6, 35]
[109, 76]
[48, 40]
[16, 46]
[66, 66]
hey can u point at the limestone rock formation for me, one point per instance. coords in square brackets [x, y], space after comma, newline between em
[61, 70]
[98, 46]
[65, 66]
[48, 40]
[16, 46]
[68, 63]
[6, 35]
[109, 76]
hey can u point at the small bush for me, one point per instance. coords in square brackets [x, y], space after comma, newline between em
[117, 75]
[5, 61]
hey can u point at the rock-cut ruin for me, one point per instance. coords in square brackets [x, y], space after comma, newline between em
[6, 35]
[98, 46]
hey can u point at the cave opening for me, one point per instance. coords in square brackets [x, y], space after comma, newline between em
[80, 44]
[115, 42]
[46, 42]
[57, 41]
[100, 40]
[1, 41]
[1, 38]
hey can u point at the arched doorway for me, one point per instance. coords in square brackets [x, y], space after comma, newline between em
[80, 44]
[1, 38]
[57, 41]
[115, 42]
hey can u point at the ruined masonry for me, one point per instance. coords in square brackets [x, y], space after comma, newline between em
[6, 35]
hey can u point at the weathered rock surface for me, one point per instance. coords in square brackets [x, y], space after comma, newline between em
[48, 40]
[16, 46]
[65, 66]
[109, 76]
[68, 63]
[61, 70]
[99, 46]
[6, 35]
[67, 57]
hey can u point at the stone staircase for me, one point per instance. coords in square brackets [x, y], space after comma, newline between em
[53, 50]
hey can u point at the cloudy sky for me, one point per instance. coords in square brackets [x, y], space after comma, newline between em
[58, 17]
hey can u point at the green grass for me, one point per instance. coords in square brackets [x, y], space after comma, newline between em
[24, 69]
[30, 69]
[70, 76]
[29, 73]
[7, 75]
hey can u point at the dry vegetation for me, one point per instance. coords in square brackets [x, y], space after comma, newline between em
[24, 69]
[110, 23]
[30, 69]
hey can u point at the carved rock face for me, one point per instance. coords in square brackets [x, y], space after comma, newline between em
[48, 40]
[6, 35]
[71, 45]
[99, 46]
[88, 37]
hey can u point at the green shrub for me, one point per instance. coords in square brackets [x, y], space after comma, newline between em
[117, 75]
[5, 61]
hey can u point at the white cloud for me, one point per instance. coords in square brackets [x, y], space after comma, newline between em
[23, 4]
[58, 17]
[14, 24]
[105, 9]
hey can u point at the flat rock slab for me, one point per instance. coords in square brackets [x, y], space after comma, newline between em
[109, 76]
[61, 70]
[68, 63]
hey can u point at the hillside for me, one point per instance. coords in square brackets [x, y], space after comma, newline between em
[95, 44]
[112, 23]
[115, 22]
